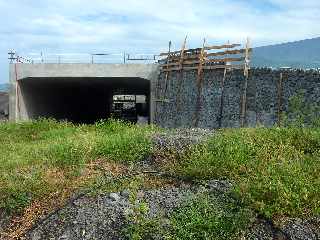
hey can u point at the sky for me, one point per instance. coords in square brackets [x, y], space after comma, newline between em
[69, 27]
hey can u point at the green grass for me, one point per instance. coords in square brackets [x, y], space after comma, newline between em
[208, 217]
[203, 216]
[30, 150]
[276, 171]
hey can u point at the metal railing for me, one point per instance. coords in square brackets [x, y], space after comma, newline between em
[93, 58]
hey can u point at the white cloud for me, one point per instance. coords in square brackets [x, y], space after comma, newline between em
[147, 25]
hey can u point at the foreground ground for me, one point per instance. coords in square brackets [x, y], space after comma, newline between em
[113, 180]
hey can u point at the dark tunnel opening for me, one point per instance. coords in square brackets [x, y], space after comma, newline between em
[81, 100]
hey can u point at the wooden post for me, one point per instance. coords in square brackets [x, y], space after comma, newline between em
[199, 85]
[221, 99]
[180, 77]
[167, 73]
[17, 93]
[280, 99]
[182, 52]
[158, 90]
[246, 75]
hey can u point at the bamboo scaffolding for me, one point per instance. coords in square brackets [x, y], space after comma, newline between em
[199, 85]
[180, 78]
[201, 59]
[244, 96]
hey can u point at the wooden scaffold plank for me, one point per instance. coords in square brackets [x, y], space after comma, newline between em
[235, 66]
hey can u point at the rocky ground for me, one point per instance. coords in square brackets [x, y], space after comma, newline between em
[108, 215]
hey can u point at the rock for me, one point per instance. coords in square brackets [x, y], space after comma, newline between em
[114, 196]
[4, 221]
[293, 229]
[220, 185]
[125, 193]
[64, 237]
[298, 229]
[261, 230]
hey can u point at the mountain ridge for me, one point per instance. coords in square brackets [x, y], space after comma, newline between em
[4, 87]
[296, 54]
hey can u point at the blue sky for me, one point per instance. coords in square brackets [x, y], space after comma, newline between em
[146, 26]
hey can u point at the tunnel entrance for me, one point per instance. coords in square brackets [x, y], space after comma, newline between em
[132, 108]
[83, 100]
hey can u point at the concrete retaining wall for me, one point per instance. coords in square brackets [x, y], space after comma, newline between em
[178, 109]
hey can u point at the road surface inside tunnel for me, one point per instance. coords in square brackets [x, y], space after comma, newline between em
[79, 100]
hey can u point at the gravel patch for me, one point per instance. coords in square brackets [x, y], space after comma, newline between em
[86, 218]
[293, 229]
[106, 216]
[181, 138]
[298, 229]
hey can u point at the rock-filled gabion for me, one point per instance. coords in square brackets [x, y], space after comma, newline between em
[179, 109]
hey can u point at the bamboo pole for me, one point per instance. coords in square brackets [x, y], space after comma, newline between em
[221, 98]
[167, 73]
[199, 84]
[180, 78]
[158, 90]
[246, 75]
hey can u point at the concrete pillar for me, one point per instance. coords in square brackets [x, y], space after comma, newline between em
[12, 93]
[153, 86]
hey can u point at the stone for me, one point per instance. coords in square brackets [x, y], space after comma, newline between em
[125, 193]
[220, 185]
[297, 229]
[114, 196]
[262, 97]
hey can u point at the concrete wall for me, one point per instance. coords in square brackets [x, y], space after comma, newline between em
[58, 89]
[262, 97]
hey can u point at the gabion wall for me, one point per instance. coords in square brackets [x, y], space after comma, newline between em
[176, 107]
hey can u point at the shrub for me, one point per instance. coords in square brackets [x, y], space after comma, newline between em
[301, 113]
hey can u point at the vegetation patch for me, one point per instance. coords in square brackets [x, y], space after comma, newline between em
[208, 217]
[31, 151]
[275, 170]
[203, 216]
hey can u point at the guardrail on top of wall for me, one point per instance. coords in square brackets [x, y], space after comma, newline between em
[124, 58]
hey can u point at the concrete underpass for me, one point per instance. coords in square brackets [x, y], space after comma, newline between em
[81, 94]
[80, 100]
